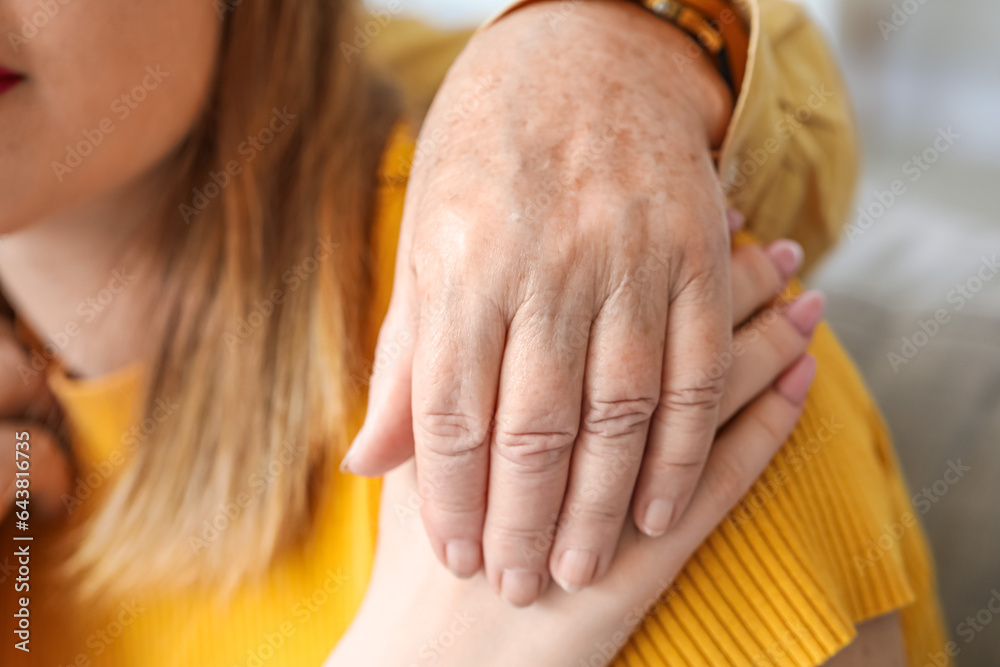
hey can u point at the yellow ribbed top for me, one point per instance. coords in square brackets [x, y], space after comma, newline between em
[825, 540]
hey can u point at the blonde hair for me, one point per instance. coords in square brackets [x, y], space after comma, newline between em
[257, 364]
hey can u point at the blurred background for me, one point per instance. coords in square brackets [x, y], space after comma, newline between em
[914, 287]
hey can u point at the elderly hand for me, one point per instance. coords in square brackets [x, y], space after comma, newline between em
[561, 312]
[413, 596]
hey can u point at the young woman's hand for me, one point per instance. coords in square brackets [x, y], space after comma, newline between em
[416, 613]
[26, 446]
[562, 290]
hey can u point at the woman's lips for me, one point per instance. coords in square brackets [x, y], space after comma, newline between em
[8, 79]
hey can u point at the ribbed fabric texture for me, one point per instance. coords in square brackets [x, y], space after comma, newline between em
[826, 539]
[812, 551]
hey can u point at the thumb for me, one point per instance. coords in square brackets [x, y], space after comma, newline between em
[386, 436]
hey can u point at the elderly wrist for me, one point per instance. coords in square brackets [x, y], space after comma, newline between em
[629, 36]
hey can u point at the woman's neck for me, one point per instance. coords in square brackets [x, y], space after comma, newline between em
[78, 279]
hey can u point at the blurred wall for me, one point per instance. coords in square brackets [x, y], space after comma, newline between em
[912, 73]
[917, 67]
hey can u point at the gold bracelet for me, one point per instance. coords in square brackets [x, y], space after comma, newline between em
[689, 20]
[714, 26]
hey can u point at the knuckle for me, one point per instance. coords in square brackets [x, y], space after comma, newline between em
[708, 241]
[424, 261]
[539, 536]
[784, 341]
[453, 433]
[698, 286]
[535, 450]
[677, 469]
[588, 515]
[770, 426]
[447, 512]
[759, 271]
[729, 480]
[703, 395]
[705, 257]
[617, 418]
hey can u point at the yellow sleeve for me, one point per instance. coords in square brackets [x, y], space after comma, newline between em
[416, 57]
[790, 159]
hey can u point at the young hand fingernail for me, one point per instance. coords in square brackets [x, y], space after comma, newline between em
[806, 311]
[657, 519]
[787, 255]
[520, 587]
[794, 383]
[576, 569]
[462, 557]
[735, 220]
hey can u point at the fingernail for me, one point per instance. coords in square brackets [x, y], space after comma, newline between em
[787, 255]
[806, 311]
[345, 464]
[462, 557]
[657, 519]
[794, 383]
[735, 220]
[576, 569]
[520, 587]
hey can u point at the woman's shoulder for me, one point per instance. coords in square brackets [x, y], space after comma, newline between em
[826, 539]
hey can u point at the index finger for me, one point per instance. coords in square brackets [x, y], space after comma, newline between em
[456, 368]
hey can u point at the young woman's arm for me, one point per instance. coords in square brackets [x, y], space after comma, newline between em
[415, 609]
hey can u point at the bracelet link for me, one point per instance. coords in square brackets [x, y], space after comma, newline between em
[689, 20]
